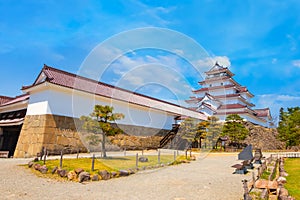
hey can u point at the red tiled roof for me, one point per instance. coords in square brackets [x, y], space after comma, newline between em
[213, 88]
[4, 99]
[231, 106]
[264, 112]
[73, 81]
[244, 89]
[214, 79]
[16, 100]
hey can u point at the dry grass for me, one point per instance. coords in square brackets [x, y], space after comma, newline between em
[111, 164]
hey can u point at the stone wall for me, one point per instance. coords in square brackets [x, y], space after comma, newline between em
[50, 131]
[142, 131]
[59, 132]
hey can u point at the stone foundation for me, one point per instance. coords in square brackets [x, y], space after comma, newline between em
[50, 131]
[58, 133]
[142, 131]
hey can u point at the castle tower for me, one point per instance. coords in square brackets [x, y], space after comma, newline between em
[220, 95]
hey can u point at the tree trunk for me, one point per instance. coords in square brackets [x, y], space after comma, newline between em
[200, 143]
[103, 145]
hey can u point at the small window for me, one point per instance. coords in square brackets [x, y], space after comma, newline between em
[210, 85]
[221, 83]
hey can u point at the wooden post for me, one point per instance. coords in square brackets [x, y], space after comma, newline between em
[246, 191]
[61, 159]
[158, 157]
[93, 162]
[45, 155]
[177, 153]
[77, 153]
[174, 155]
[142, 152]
[42, 152]
[186, 154]
[137, 160]
[125, 152]
[190, 153]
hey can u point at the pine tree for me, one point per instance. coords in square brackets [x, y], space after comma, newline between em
[234, 129]
[214, 130]
[100, 121]
[289, 126]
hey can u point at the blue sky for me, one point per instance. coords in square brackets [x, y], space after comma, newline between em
[259, 40]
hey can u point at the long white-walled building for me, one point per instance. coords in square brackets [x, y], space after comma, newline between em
[56, 100]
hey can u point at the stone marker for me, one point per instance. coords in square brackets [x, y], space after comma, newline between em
[83, 176]
[114, 174]
[71, 175]
[78, 170]
[124, 173]
[105, 175]
[95, 177]
[37, 166]
[43, 169]
[62, 172]
[54, 170]
[143, 159]
[30, 164]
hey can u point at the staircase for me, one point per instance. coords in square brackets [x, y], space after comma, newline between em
[170, 136]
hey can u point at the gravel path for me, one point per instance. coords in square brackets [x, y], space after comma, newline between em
[208, 178]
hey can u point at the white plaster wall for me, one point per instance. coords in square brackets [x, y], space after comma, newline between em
[62, 102]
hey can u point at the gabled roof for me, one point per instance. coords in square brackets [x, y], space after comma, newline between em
[231, 106]
[4, 99]
[214, 88]
[73, 81]
[264, 112]
[16, 99]
[218, 69]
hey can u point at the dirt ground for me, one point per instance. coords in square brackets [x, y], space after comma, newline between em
[209, 177]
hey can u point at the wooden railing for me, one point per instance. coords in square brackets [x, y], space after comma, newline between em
[170, 136]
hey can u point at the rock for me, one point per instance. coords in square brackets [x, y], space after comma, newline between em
[114, 174]
[37, 166]
[105, 175]
[35, 159]
[83, 176]
[30, 164]
[283, 192]
[284, 174]
[78, 171]
[281, 180]
[71, 175]
[95, 177]
[54, 170]
[143, 159]
[131, 171]
[43, 169]
[62, 172]
[124, 173]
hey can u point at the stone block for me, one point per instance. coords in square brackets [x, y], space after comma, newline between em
[61, 140]
[49, 138]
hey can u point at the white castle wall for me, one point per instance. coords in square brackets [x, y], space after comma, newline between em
[66, 102]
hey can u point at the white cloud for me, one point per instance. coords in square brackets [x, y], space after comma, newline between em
[206, 63]
[296, 63]
[292, 42]
[6, 49]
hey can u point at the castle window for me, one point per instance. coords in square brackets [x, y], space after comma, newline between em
[210, 85]
[221, 83]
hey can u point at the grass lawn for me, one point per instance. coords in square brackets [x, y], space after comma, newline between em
[111, 164]
[292, 167]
